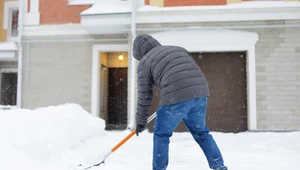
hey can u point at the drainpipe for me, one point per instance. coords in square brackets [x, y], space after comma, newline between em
[20, 52]
[132, 110]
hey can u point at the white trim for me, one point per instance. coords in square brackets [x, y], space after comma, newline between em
[82, 2]
[33, 16]
[8, 46]
[95, 89]
[34, 6]
[8, 51]
[218, 15]
[54, 30]
[109, 24]
[22, 11]
[95, 93]
[8, 56]
[9, 70]
[8, 6]
[251, 88]
[93, 19]
[91, 2]
[220, 40]
[25, 6]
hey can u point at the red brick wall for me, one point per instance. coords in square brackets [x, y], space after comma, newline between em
[193, 2]
[28, 6]
[59, 12]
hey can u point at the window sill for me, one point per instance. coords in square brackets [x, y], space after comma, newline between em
[12, 39]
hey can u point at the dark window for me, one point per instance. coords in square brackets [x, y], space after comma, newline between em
[9, 89]
[14, 23]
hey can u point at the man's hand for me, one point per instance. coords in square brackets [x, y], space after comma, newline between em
[139, 129]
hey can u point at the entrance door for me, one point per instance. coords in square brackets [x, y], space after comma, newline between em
[227, 104]
[117, 99]
[9, 88]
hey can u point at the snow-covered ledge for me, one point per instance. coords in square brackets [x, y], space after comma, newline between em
[220, 41]
[244, 11]
[8, 51]
[106, 18]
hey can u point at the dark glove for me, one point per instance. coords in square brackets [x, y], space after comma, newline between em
[139, 129]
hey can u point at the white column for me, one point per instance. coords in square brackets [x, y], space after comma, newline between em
[20, 53]
[133, 71]
[132, 90]
[95, 90]
[252, 115]
[34, 6]
[32, 17]
[25, 6]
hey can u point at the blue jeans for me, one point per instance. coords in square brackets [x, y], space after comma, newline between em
[193, 113]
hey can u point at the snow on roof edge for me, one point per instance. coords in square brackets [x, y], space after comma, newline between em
[108, 8]
[241, 5]
[105, 7]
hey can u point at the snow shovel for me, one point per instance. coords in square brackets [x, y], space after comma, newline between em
[120, 144]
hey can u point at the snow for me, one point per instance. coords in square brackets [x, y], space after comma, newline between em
[218, 38]
[109, 6]
[55, 30]
[61, 137]
[241, 5]
[124, 6]
[8, 46]
[35, 138]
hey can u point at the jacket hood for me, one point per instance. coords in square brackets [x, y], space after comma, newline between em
[143, 44]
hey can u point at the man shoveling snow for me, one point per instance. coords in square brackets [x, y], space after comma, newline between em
[183, 97]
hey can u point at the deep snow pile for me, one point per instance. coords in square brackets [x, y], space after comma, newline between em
[31, 139]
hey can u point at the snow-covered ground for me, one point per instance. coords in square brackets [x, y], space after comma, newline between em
[61, 137]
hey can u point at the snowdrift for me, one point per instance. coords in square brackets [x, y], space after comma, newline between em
[31, 139]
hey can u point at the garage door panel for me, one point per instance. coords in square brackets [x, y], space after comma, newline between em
[225, 72]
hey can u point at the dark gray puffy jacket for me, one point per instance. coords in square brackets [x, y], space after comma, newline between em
[171, 69]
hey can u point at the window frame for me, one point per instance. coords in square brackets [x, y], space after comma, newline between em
[7, 19]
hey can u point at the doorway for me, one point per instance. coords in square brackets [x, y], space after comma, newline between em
[117, 99]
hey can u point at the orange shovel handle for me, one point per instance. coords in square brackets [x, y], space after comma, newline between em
[123, 141]
[131, 134]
